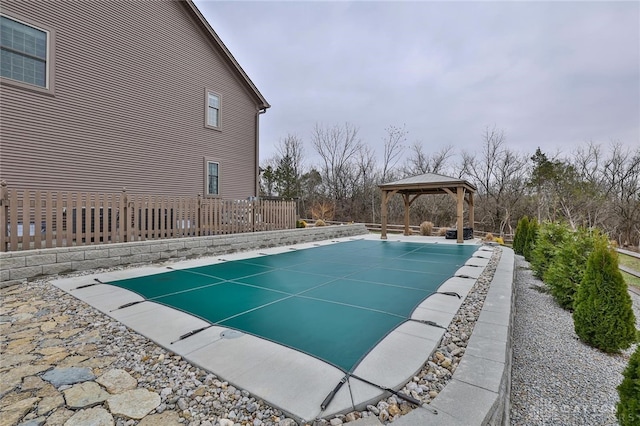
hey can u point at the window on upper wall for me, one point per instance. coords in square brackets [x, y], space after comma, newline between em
[213, 175]
[213, 110]
[25, 52]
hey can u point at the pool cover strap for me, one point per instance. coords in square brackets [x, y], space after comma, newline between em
[192, 332]
[325, 403]
[449, 293]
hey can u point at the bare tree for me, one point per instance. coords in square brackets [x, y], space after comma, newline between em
[393, 149]
[500, 175]
[621, 176]
[419, 162]
[338, 147]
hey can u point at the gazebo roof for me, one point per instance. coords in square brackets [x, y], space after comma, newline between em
[428, 183]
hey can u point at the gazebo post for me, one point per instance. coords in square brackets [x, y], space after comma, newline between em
[460, 191]
[471, 217]
[383, 213]
[407, 205]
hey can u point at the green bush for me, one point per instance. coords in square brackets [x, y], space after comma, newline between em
[628, 409]
[603, 316]
[530, 240]
[301, 223]
[521, 235]
[566, 270]
[551, 236]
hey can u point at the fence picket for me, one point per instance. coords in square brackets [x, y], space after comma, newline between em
[34, 219]
[37, 221]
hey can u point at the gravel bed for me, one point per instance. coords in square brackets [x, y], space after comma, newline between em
[557, 379]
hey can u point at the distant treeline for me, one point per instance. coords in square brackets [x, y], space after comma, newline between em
[595, 185]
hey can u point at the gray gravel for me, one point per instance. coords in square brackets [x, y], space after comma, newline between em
[556, 379]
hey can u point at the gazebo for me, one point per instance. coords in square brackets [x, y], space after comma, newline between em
[429, 184]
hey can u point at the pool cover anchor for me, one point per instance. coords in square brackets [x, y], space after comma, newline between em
[427, 322]
[126, 305]
[325, 403]
[89, 285]
[191, 333]
[449, 293]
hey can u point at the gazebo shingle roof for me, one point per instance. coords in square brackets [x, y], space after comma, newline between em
[428, 182]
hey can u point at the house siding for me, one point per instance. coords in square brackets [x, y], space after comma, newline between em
[128, 105]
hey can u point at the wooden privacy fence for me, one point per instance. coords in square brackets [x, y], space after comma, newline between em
[33, 219]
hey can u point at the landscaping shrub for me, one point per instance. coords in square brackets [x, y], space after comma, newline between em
[489, 237]
[521, 235]
[628, 408]
[603, 316]
[566, 270]
[320, 222]
[530, 240]
[301, 223]
[426, 228]
[499, 240]
[442, 231]
[550, 237]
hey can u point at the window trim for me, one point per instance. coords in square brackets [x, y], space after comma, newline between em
[207, 161]
[208, 92]
[50, 59]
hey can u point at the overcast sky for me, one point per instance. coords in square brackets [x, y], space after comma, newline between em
[551, 74]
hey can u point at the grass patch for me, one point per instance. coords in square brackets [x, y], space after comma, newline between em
[631, 280]
[629, 261]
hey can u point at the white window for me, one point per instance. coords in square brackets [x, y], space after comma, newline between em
[213, 110]
[25, 52]
[213, 176]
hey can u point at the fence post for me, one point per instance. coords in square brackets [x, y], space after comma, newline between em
[125, 216]
[4, 215]
[199, 216]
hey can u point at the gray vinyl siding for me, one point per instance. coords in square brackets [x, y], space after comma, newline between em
[128, 109]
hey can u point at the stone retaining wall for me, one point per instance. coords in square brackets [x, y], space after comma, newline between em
[23, 265]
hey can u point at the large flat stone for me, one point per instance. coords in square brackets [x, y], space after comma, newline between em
[12, 414]
[83, 395]
[134, 404]
[14, 376]
[117, 381]
[96, 416]
[68, 376]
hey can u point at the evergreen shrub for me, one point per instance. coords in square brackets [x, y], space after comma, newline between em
[530, 240]
[628, 408]
[550, 237]
[521, 235]
[603, 316]
[566, 270]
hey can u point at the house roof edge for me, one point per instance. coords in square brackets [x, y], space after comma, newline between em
[193, 8]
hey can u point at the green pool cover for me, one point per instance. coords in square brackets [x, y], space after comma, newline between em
[334, 302]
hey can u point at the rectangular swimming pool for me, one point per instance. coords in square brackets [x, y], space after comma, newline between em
[334, 302]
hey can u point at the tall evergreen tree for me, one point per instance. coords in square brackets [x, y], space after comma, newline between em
[566, 270]
[603, 315]
[521, 235]
[530, 241]
[628, 408]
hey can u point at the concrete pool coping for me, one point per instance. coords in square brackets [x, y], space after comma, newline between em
[288, 379]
